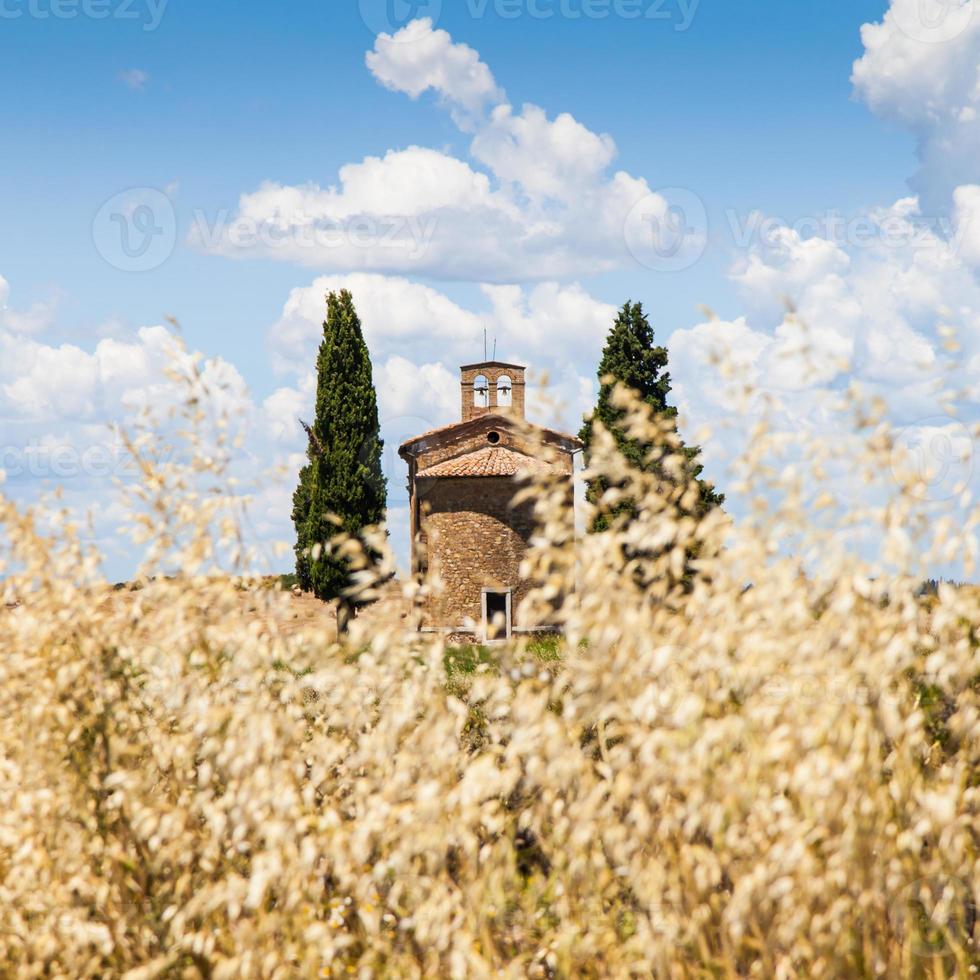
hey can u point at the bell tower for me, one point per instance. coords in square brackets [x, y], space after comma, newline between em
[492, 388]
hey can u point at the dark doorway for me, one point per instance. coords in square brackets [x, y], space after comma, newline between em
[496, 615]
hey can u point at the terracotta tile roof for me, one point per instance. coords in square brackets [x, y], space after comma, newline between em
[489, 461]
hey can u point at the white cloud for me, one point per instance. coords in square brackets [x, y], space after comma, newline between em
[37, 318]
[285, 407]
[549, 323]
[966, 200]
[546, 206]
[921, 68]
[400, 317]
[536, 202]
[883, 299]
[410, 182]
[419, 59]
[41, 383]
[545, 159]
[867, 316]
[59, 402]
[60, 406]
[59, 382]
[419, 337]
[411, 394]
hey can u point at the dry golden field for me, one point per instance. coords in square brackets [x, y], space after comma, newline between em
[764, 770]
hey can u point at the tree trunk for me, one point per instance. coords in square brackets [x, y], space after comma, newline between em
[345, 613]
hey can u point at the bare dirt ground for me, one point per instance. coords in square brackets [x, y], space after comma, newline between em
[293, 613]
[307, 612]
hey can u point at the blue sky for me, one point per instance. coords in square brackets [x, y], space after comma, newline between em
[744, 108]
[751, 106]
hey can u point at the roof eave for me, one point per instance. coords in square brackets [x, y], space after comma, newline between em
[404, 450]
[407, 450]
[503, 364]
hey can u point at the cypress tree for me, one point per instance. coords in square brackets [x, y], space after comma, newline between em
[631, 359]
[341, 488]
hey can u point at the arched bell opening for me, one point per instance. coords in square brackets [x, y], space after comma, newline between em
[481, 391]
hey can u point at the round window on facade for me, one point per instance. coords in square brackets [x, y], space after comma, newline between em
[493, 438]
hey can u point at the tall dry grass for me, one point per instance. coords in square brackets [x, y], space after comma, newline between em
[768, 772]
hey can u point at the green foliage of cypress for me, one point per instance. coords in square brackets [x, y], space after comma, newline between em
[342, 488]
[630, 358]
[301, 511]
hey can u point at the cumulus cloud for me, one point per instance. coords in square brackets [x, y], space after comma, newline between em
[966, 200]
[59, 403]
[420, 59]
[42, 383]
[418, 338]
[535, 205]
[33, 320]
[823, 314]
[921, 68]
[62, 407]
[537, 199]
[872, 317]
[826, 315]
[546, 159]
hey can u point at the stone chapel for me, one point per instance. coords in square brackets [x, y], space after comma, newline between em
[465, 525]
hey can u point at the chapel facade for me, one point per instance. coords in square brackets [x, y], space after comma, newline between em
[467, 531]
